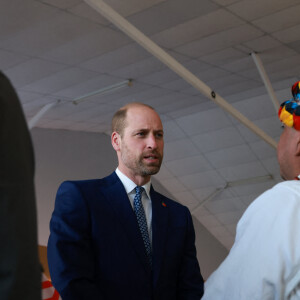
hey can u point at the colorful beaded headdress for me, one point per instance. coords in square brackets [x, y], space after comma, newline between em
[289, 111]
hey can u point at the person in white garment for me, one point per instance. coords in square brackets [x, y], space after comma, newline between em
[264, 262]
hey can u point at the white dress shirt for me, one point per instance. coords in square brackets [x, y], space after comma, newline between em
[129, 186]
[264, 262]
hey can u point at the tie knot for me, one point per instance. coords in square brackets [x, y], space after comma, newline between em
[139, 190]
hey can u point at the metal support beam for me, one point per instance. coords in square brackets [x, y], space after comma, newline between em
[265, 79]
[104, 90]
[40, 113]
[168, 60]
[217, 191]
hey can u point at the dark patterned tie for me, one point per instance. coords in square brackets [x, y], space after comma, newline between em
[141, 218]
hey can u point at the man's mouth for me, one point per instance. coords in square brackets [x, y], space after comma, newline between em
[151, 157]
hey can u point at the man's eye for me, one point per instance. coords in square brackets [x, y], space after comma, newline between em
[159, 135]
[140, 134]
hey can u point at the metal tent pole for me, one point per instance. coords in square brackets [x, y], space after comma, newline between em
[40, 113]
[265, 79]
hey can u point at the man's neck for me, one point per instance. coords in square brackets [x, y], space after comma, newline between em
[137, 179]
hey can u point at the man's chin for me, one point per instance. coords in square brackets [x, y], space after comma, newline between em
[151, 170]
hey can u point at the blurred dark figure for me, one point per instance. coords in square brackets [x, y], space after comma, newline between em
[20, 273]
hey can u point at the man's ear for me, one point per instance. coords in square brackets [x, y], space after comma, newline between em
[298, 144]
[116, 140]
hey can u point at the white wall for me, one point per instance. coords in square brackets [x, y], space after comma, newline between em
[67, 155]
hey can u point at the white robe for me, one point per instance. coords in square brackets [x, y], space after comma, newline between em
[264, 262]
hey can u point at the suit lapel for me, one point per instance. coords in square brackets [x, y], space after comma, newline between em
[120, 203]
[159, 231]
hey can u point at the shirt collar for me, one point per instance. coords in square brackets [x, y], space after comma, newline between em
[129, 185]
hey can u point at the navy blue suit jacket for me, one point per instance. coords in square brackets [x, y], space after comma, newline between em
[95, 249]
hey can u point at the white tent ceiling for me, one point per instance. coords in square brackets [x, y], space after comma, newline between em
[63, 49]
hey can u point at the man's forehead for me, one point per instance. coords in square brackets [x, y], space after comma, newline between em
[142, 114]
[138, 123]
[135, 126]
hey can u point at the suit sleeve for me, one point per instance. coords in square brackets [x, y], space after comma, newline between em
[190, 285]
[70, 254]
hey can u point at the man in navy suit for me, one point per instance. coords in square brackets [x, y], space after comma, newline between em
[97, 248]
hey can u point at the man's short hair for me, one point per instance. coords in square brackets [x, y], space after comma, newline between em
[118, 123]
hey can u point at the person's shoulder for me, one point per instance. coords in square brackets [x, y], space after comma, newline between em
[293, 185]
[281, 190]
[277, 198]
[288, 191]
[90, 182]
[80, 183]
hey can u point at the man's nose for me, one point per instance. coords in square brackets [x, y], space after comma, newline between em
[151, 141]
